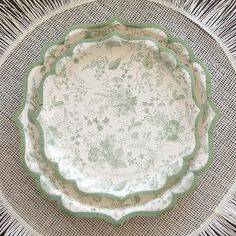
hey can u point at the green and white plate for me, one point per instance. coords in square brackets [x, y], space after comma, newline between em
[118, 116]
[112, 210]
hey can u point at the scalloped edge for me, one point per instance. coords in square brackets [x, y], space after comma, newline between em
[55, 165]
[174, 196]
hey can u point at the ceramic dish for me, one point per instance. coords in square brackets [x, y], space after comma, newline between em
[118, 115]
[82, 206]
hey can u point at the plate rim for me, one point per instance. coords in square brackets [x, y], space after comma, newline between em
[55, 164]
[37, 176]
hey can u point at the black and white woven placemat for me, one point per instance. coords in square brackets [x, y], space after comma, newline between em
[24, 210]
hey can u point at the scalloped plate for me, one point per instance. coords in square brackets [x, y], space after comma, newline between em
[118, 116]
[80, 205]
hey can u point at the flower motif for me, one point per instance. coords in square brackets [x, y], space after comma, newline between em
[172, 129]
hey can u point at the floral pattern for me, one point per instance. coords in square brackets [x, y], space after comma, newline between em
[110, 210]
[120, 100]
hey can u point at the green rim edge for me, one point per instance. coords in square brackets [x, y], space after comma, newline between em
[175, 196]
[55, 165]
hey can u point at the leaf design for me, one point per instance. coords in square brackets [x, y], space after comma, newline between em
[177, 97]
[114, 64]
[94, 154]
[105, 120]
[147, 63]
[52, 134]
[59, 103]
[119, 186]
[171, 130]
[107, 154]
[121, 99]
[119, 153]
[55, 103]
[117, 163]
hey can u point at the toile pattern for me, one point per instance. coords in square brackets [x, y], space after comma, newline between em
[113, 211]
[118, 116]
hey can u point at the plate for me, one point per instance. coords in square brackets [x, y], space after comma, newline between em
[111, 210]
[118, 116]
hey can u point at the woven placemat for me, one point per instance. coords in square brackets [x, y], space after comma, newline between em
[42, 216]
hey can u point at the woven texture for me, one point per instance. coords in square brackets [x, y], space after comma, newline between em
[190, 212]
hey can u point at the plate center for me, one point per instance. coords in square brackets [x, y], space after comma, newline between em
[119, 109]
